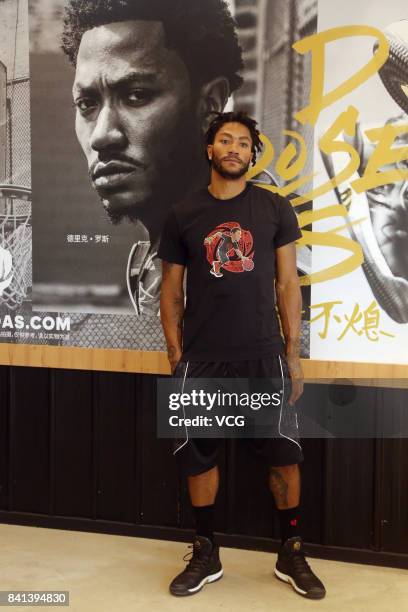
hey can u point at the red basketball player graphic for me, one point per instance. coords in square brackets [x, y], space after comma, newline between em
[229, 247]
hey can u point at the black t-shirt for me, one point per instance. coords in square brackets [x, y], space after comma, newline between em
[228, 247]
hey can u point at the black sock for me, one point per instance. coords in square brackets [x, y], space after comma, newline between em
[289, 523]
[204, 519]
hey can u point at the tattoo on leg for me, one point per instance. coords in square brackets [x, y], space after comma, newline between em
[279, 487]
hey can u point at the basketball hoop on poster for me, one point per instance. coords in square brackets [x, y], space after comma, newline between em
[15, 245]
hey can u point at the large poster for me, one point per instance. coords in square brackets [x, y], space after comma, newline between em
[360, 308]
[103, 108]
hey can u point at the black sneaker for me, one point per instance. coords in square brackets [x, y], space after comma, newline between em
[292, 567]
[204, 566]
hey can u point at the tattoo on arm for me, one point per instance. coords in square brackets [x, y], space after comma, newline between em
[179, 310]
[293, 348]
[171, 352]
[172, 307]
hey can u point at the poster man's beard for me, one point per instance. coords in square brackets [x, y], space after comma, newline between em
[226, 173]
[171, 182]
[118, 215]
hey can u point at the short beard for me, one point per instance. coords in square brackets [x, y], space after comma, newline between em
[117, 216]
[216, 165]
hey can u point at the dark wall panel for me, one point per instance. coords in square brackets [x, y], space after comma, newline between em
[72, 443]
[159, 487]
[394, 520]
[347, 416]
[117, 487]
[349, 493]
[29, 440]
[393, 477]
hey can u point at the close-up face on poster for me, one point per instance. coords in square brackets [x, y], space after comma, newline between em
[104, 106]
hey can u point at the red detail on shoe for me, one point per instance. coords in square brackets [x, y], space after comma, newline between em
[293, 522]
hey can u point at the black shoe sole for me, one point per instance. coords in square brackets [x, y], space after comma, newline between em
[288, 579]
[207, 580]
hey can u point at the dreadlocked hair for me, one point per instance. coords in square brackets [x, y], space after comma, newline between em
[221, 119]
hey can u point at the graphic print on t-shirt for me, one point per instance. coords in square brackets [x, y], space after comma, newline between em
[229, 247]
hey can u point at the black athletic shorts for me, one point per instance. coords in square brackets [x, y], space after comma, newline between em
[197, 455]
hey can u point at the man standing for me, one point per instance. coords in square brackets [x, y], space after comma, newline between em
[230, 328]
[147, 75]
